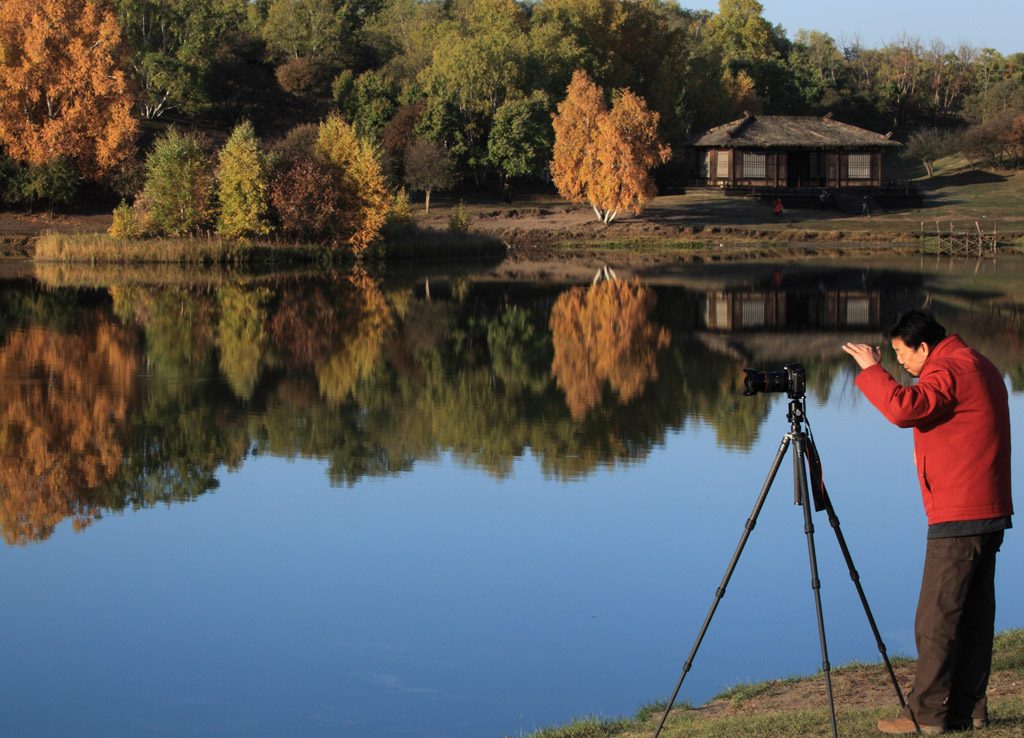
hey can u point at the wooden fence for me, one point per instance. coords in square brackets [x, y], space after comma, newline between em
[965, 241]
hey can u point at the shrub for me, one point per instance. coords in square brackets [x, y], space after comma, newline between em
[126, 222]
[305, 194]
[54, 183]
[400, 212]
[308, 76]
[458, 219]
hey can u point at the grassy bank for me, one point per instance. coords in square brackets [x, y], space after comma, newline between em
[100, 248]
[863, 695]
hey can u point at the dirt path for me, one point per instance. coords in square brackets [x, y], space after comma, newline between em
[853, 688]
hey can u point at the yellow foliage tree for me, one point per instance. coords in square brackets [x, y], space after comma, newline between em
[366, 199]
[603, 157]
[604, 334]
[369, 320]
[62, 89]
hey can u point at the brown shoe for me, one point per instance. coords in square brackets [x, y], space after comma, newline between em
[906, 725]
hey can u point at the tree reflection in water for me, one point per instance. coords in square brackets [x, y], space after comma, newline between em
[604, 334]
[132, 396]
[64, 427]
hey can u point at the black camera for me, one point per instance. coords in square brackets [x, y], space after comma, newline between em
[792, 380]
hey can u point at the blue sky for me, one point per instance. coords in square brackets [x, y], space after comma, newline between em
[981, 23]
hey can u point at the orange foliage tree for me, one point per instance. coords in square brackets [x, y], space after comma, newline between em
[604, 334]
[603, 157]
[62, 89]
[63, 424]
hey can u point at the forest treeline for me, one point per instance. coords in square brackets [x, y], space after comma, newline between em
[449, 89]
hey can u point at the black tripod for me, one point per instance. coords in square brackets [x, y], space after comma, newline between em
[805, 455]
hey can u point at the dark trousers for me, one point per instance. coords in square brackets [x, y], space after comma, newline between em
[954, 630]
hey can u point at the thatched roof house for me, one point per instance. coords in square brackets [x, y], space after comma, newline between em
[788, 151]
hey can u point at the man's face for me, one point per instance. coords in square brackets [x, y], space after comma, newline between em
[911, 359]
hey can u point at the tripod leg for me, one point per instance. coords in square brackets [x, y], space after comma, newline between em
[720, 592]
[833, 520]
[802, 491]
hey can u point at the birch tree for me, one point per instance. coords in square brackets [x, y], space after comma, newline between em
[603, 157]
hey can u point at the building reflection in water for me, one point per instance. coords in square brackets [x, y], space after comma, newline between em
[780, 310]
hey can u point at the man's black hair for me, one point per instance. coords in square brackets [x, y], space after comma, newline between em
[916, 326]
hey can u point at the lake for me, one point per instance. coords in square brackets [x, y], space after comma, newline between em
[444, 505]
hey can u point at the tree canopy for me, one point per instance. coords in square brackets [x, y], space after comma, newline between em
[63, 88]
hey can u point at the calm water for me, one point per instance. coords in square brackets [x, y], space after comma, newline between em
[349, 506]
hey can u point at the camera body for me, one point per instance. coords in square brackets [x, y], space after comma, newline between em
[792, 380]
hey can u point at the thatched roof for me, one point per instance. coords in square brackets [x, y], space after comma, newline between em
[790, 132]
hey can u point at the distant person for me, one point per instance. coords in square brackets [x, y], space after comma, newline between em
[961, 419]
[778, 207]
[865, 211]
[507, 193]
[823, 200]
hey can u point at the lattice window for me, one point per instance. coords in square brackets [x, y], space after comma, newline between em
[859, 166]
[753, 166]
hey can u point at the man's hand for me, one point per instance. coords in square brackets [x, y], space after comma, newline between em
[863, 354]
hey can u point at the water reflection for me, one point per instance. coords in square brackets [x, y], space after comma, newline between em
[132, 395]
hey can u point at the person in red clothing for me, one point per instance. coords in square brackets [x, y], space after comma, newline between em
[959, 412]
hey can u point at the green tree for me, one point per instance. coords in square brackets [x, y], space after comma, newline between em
[927, 146]
[243, 186]
[521, 138]
[54, 183]
[180, 187]
[818, 67]
[297, 28]
[480, 61]
[174, 42]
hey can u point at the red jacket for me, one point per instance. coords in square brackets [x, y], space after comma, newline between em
[961, 420]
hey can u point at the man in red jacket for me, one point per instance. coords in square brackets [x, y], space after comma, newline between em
[961, 420]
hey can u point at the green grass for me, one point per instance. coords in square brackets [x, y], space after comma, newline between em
[1006, 715]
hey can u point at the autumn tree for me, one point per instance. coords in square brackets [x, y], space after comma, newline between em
[305, 193]
[62, 90]
[243, 186]
[603, 157]
[365, 198]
